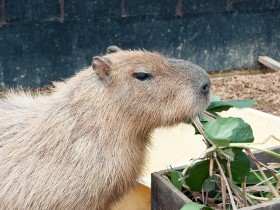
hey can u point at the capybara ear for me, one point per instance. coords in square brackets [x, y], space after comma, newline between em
[113, 49]
[101, 66]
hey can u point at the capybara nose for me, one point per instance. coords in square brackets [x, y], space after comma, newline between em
[205, 89]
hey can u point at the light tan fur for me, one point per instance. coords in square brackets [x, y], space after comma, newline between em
[83, 146]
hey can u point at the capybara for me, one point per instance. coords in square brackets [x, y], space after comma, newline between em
[83, 145]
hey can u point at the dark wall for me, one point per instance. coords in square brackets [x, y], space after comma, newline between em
[35, 48]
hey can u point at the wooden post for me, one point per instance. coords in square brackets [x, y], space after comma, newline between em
[61, 10]
[269, 62]
[2, 14]
[179, 8]
[123, 8]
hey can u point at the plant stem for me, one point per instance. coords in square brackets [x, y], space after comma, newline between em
[228, 169]
[249, 146]
[267, 168]
[186, 169]
[258, 198]
[203, 154]
[200, 128]
[211, 116]
[272, 188]
[224, 192]
[226, 182]
[236, 191]
[211, 166]
[244, 191]
[260, 183]
[276, 186]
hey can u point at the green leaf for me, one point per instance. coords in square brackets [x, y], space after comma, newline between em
[195, 206]
[240, 167]
[197, 174]
[236, 150]
[204, 118]
[215, 98]
[174, 176]
[223, 131]
[240, 193]
[230, 153]
[210, 184]
[214, 113]
[255, 177]
[219, 106]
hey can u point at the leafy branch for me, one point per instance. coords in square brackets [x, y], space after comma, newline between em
[221, 175]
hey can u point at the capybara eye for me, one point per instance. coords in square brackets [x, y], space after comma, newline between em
[142, 76]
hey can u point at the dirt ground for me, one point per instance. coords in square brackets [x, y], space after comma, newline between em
[263, 87]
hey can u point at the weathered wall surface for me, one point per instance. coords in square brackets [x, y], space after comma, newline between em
[35, 48]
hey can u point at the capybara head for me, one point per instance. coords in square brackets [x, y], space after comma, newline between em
[151, 89]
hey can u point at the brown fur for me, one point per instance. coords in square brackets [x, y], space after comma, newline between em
[84, 145]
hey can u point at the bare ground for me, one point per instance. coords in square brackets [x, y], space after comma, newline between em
[264, 87]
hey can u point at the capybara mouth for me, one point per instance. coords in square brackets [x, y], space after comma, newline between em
[188, 119]
[201, 111]
[196, 118]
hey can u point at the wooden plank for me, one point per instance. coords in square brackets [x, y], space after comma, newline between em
[269, 62]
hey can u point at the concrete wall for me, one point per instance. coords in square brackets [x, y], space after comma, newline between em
[35, 48]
